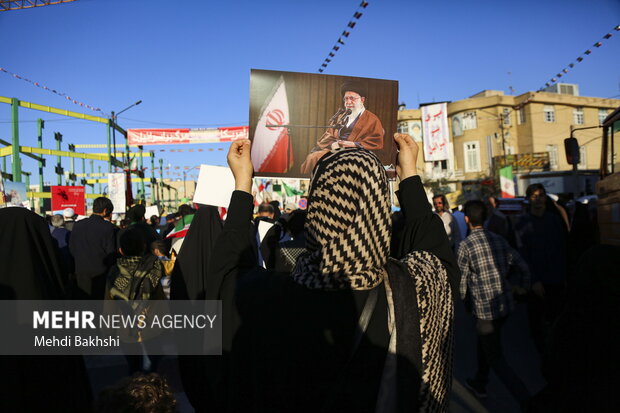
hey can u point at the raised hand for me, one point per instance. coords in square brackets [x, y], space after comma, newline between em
[407, 155]
[241, 164]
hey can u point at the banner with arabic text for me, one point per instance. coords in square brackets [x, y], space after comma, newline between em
[435, 135]
[185, 135]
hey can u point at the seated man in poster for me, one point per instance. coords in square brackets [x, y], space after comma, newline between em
[351, 126]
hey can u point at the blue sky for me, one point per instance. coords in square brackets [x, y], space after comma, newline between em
[189, 61]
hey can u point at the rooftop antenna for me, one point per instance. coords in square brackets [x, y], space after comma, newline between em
[512, 90]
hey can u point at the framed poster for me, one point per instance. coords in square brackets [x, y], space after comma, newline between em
[296, 118]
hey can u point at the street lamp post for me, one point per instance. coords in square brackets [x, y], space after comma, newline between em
[114, 117]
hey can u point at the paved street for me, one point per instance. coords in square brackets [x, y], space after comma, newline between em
[519, 350]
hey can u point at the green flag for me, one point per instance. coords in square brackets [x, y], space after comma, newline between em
[290, 191]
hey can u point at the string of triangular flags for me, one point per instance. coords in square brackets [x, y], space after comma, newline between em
[62, 94]
[166, 168]
[345, 34]
[564, 71]
[578, 60]
[192, 150]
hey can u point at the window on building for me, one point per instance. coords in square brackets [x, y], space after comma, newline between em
[521, 116]
[583, 160]
[402, 127]
[440, 165]
[578, 116]
[510, 150]
[469, 121]
[549, 112]
[506, 116]
[472, 156]
[553, 156]
[602, 114]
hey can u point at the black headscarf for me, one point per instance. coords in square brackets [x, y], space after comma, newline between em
[189, 278]
[190, 281]
[31, 269]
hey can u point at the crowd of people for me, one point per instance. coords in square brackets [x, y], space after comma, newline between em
[341, 306]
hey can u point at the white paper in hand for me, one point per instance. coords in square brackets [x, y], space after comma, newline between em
[150, 211]
[215, 186]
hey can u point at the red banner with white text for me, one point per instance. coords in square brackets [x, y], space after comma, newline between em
[138, 137]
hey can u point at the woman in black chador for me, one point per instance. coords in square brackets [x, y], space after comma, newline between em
[349, 330]
[31, 270]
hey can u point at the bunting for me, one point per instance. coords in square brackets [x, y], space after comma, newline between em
[566, 69]
[62, 94]
[579, 59]
[344, 35]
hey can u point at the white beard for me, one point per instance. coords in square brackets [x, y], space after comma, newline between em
[355, 112]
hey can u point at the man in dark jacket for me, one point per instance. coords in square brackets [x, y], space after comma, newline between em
[93, 246]
[135, 215]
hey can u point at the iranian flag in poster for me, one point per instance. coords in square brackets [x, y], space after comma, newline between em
[271, 145]
[506, 182]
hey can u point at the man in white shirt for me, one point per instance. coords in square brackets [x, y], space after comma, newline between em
[442, 208]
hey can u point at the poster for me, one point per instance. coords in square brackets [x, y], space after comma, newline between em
[116, 191]
[15, 194]
[295, 118]
[2, 203]
[415, 130]
[435, 132]
[68, 197]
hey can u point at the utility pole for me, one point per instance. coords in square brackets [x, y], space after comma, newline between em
[109, 146]
[142, 173]
[16, 161]
[501, 127]
[99, 180]
[59, 171]
[72, 165]
[83, 181]
[27, 175]
[161, 176]
[40, 126]
[153, 180]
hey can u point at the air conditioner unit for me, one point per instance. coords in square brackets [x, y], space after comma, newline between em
[563, 89]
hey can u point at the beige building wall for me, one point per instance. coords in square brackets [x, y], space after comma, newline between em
[530, 131]
[187, 192]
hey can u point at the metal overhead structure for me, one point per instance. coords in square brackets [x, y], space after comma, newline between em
[113, 157]
[6, 5]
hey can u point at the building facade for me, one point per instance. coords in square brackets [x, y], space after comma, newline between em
[490, 124]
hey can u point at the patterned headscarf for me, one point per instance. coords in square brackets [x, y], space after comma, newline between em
[348, 226]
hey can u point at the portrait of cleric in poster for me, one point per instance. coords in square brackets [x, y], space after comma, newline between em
[296, 118]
